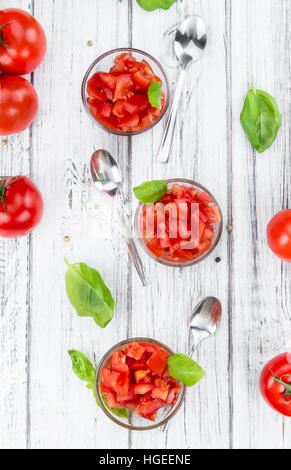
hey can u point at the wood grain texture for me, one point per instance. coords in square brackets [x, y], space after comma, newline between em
[42, 403]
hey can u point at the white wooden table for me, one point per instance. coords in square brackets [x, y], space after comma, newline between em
[42, 403]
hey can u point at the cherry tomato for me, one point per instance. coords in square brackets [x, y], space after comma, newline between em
[279, 234]
[22, 42]
[275, 383]
[19, 104]
[21, 206]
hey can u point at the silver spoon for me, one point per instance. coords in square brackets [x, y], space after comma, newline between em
[190, 42]
[107, 178]
[204, 322]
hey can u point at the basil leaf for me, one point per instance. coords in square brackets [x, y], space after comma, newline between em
[151, 5]
[155, 94]
[86, 372]
[184, 369]
[82, 366]
[88, 294]
[151, 191]
[260, 119]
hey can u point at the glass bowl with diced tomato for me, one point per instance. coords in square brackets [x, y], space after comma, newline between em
[133, 385]
[183, 227]
[125, 91]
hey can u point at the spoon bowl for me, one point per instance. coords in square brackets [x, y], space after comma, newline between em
[105, 172]
[205, 319]
[190, 40]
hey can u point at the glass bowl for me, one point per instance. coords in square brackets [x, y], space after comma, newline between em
[217, 227]
[104, 63]
[136, 422]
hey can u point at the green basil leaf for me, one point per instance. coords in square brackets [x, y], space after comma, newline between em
[260, 119]
[151, 191]
[82, 366]
[88, 294]
[184, 369]
[151, 5]
[86, 372]
[155, 94]
[120, 412]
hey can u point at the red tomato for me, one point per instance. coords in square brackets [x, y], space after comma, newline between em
[21, 207]
[19, 104]
[279, 234]
[22, 42]
[138, 378]
[118, 99]
[275, 383]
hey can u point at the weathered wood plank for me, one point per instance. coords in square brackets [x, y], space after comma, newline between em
[261, 294]
[63, 413]
[14, 304]
[199, 152]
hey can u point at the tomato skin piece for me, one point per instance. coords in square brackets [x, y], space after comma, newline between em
[24, 207]
[135, 351]
[19, 104]
[279, 234]
[272, 391]
[26, 40]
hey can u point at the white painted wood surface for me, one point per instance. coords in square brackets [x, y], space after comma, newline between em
[42, 404]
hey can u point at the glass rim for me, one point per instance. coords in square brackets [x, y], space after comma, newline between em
[129, 426]
[99, 59]
[186, 263]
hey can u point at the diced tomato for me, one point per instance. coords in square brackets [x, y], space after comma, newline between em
[142, 389]
[140, 375]
[204, 198]
[212, 213]
[142, 79]
[123, 85]
[136, 365]
[173, 394]
[112, 401]
[160, 390]
[109, 80]
[135, 351]
[118, 109]
[128, 122]
[148, 408]
[104, 109]
[118, 362]
[157, 363]
[110, 378]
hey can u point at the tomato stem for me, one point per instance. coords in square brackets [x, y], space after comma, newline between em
[3, 187]
[286, 385]
[1, 40]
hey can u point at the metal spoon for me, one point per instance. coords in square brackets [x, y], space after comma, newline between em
[190, 42]
[205, 320]
[107, 178]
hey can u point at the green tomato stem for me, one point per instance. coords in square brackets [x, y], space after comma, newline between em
[286, 385]
[1, 39]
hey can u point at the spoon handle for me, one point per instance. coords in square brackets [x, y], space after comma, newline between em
[133, 250]
[165, 146]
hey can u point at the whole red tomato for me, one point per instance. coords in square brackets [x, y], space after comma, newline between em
[22, 42]
[279, 235]
[21, 206]
[18, 104]
[275, 383]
